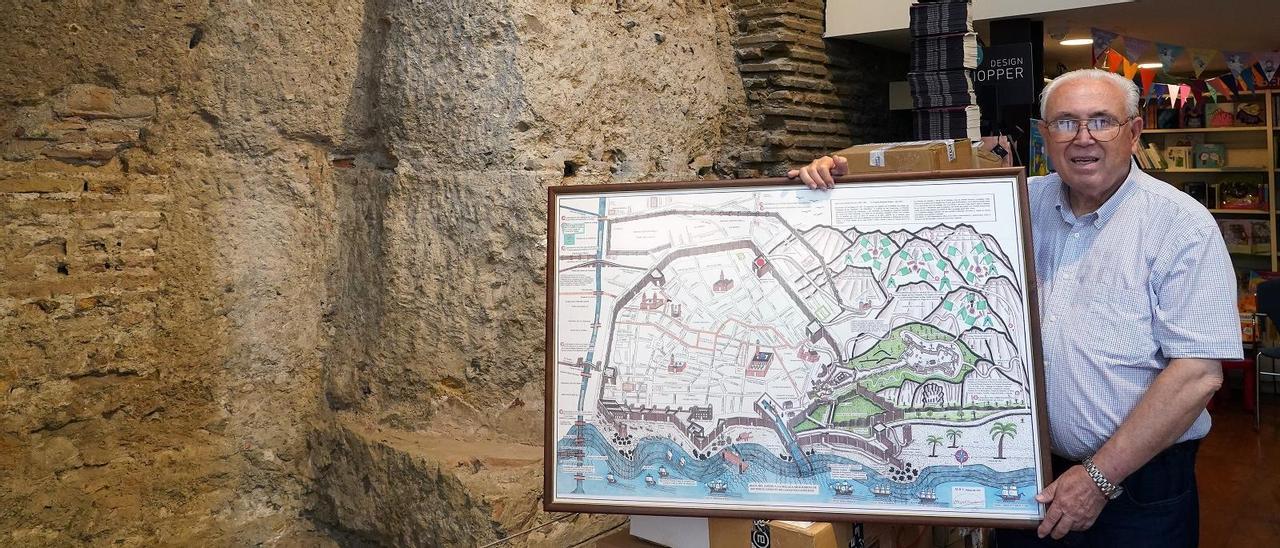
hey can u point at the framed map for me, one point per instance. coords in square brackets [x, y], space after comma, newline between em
[756, 349]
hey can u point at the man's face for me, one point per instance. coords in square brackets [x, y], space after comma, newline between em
[1086, 164]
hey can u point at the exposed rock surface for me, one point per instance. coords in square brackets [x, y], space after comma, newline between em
[273, 271]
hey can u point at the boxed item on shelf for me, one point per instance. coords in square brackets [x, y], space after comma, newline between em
[1260, 235]
[1200, 191]
[1250, 114]
[1178, 157]
[1209, 155]
[1237, 234]
[1242, 192]
[1220, 114]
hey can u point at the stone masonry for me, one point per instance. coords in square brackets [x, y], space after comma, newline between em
[273, 272]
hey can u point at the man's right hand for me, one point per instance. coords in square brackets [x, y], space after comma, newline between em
[821, 173]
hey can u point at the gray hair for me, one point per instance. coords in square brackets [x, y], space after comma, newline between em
[1125, 86]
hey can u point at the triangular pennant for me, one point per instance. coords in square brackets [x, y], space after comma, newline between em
[1200, 59]
[1135, 48]
[1115, 61]
[1217, 88]
[1232, 84]
[1184, 92]
[1101, 43]
[1251, 77]
[1168, 54]
[1148, 76]
[1172, 94]
[1270, 62]
[1237, 61]
[1198, 89]
[1130, 69]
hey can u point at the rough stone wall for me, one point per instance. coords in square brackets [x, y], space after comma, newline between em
[273, 271]
[164, 204]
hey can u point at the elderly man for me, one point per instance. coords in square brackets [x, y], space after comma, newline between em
[1137, 304]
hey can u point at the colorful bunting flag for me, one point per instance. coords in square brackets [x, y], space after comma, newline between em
[1198, 89]
[1130, 69]
[1237, 61]
[1135, 49]
[1101, 43]
[1184, 92]
[1148, 76]
[1200, 59]
[1168, 54]
[1269, 63]
[1115, 61]
[1233, 86]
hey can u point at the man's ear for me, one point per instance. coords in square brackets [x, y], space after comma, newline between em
[1136, 127]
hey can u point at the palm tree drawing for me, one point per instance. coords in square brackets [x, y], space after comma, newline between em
[953, 434]
[999, 431]
[934, 442]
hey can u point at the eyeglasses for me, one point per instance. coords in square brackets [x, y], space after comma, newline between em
[1101, 128]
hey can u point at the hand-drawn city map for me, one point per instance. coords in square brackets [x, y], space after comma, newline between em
[770, 348]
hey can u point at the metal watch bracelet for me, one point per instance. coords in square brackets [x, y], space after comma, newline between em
[1109, 490]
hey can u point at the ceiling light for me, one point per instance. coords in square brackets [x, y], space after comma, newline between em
[1077, 42]
[1150, 65]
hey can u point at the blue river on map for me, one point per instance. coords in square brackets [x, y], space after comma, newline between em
[601, 458]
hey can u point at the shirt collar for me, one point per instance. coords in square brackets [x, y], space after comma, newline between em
[1108, 208]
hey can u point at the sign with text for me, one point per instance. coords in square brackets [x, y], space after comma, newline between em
[1006, 71]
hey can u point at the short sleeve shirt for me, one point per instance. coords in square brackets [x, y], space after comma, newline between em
[1144, 279]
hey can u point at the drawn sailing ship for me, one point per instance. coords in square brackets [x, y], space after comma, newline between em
[843, 489]
[1010, 492]
[718, 486]
[881, 491]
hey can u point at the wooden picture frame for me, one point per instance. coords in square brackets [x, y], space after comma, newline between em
[755, 349]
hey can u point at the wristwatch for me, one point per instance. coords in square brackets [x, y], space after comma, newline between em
[1109, 490]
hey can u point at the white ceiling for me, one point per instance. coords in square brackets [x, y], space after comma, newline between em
[1245, 25]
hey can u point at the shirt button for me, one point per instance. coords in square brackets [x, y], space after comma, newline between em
[1075, 235]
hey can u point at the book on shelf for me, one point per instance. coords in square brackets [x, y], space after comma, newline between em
[944, 52]
[1220, 114]
[1209, 155]
[1178, 157]
[1200, 191]
[1155, 157]
[1249, 114]
[1193, 115]
[1260, 236]
[934, 18]
[1237, 234]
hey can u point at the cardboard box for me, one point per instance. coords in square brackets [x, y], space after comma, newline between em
[737, 533]
[940, 155]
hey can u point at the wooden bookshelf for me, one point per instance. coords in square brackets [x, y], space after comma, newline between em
[1208, 129]
[1251, 142]
[1257, 169]
[1239, 211]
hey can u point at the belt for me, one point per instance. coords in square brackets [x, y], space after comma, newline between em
[1061, 464]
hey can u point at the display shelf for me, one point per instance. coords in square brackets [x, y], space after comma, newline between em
[1256, 169]
[1239, 211]
[1207, 129]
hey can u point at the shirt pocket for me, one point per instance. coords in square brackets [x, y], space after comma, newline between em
[1116, 326]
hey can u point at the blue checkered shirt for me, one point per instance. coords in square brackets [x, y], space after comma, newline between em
[1144, 279]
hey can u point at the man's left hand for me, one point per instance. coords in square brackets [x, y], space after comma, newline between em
[1074, 503]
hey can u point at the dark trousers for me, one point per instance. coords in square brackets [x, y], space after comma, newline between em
[1160, 507]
